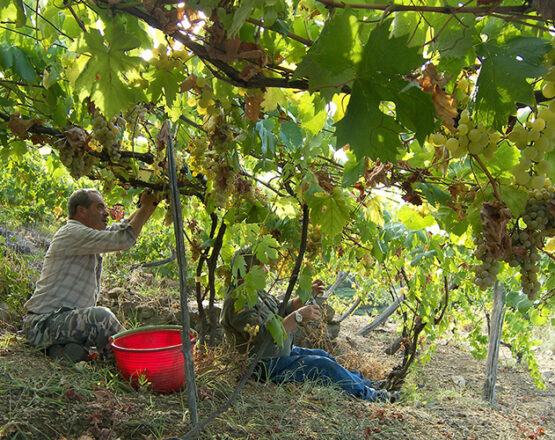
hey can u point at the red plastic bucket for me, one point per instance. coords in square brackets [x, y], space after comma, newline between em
[152, 353]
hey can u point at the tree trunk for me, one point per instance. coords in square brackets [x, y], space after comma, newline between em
[382, 317]
[498, 313]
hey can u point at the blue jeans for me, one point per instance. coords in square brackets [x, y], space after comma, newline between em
[310, 364]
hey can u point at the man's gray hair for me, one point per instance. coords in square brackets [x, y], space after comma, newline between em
[79, 197]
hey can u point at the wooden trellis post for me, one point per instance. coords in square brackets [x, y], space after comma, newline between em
[496, 330]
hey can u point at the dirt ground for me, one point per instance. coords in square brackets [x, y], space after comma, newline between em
[44, 399]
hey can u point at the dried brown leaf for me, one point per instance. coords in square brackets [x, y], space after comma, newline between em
[76, 137]
[19, 126]
[249, 71]
[377, 174]
[163, 136]
[324, 180]
[494, 217]
[253, 104]
[446, 105]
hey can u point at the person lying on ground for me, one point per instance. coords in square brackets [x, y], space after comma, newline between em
[288, 362]
[62, 315]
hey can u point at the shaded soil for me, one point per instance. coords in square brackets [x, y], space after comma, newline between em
[44, 399]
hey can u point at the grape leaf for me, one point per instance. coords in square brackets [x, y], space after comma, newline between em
[291, 135]
[434, 194]
[275, 327]
[101, 77]
[453, 36]
[515, 198]
[329, 63]
[22, 65]
[241, 15]
[265, 249]
[330, 211]
[502, 78]
[6, 56]
[365, 127]
[304, 289]
[164, 82]
[413, 220]
[352, 170]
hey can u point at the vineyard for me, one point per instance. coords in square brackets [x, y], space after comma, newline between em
[408, 143]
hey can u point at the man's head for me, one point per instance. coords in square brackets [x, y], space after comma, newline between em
[86, 206]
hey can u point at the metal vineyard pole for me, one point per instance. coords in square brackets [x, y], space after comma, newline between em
[180, 249]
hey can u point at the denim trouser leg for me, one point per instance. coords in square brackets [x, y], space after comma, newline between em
[309, 364]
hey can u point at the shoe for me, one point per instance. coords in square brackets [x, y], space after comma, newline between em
[387, 396]
[73, 352]
[376, 385]
[394, 396]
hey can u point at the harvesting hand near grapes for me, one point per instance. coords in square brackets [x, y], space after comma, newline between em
[62, 315]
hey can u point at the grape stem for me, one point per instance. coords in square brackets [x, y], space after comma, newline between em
[489, 176]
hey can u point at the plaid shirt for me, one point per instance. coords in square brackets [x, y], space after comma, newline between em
[70, 276]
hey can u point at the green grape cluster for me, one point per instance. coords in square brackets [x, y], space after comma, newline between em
[470, 139]
[214, 167]
[134, 117]
[76, 160]
[252, 330]
[525, 254]
[203, 98]
[538, 213]
[107, 133]
[534, 140]
[486, 272]
[462, 91]
[537, 136]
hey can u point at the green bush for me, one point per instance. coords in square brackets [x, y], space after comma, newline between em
[17, 278]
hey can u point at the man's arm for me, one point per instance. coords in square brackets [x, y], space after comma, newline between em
[309, 313]
[148, 203]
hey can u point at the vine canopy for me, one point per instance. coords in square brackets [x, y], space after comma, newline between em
[449, 102]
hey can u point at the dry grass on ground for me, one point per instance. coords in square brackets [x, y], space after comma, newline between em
[43, 399]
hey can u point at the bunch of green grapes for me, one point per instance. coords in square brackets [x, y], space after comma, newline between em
[525, 254]
[486, 272]
[534, 140]
[134, 117]
[537, 136]
[538, 213]
[470, 139]
[214, 167]
[462, 91]
[107, 133]
[76, 160]
[161, 61]
[204, 100]
[252, 330]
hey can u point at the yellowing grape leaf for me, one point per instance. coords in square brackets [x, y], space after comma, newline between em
[330, 211]
[273, 97]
